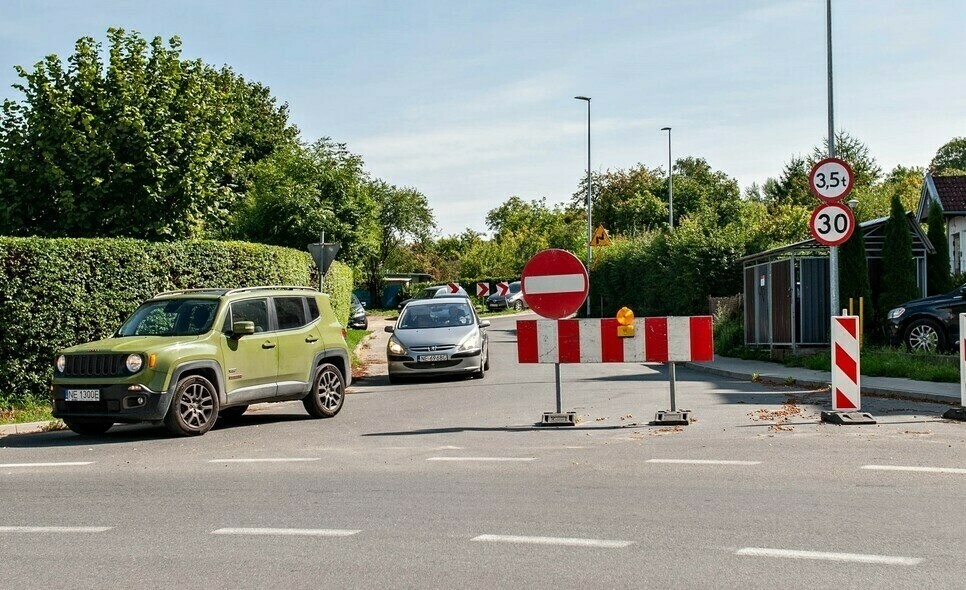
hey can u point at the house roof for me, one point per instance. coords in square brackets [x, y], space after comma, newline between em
[873, 231]
[949, 191]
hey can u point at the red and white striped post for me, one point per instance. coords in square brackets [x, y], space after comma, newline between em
[846, 374]
[960, 412]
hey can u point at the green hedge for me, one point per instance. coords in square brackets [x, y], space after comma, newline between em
[60, 292]
[338, 284]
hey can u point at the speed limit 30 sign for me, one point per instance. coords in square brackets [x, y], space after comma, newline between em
[832, 224]
[831, 179]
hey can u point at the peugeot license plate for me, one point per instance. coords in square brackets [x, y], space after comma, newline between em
[83, 395]
[432, 358]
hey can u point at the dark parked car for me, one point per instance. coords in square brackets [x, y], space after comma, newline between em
[434, 291]
[512, 300]
[358, 319]
[929, 324]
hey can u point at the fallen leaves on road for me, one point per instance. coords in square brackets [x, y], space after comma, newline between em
[779, 417]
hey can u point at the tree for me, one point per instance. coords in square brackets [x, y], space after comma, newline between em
[864, 167]
[950, 159]
[938, 276]
[899, 268]
[626, 202]
[854, 275]
[145, 145]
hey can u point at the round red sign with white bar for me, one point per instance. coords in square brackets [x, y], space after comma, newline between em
[555, 283]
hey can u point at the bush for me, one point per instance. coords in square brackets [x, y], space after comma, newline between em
[729, 330]
[60, 292]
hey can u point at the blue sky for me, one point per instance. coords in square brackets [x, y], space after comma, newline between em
[471, 102]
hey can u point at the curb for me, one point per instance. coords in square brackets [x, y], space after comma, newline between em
[23, 428]
[873, 391]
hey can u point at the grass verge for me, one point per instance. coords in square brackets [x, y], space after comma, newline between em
[30, 411]
[352, 339]
[888, 362]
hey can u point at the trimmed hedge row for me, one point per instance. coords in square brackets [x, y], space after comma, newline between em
[60, 292]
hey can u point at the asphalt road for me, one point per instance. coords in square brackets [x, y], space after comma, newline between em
[449, 484]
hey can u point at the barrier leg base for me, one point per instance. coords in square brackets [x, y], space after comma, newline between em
[672, 418]
[848, 418]
[559, 419]
[955, 414]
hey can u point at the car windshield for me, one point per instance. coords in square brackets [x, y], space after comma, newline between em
[442, 315]
[427, 293]
[171, 317]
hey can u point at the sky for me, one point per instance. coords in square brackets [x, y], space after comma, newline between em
[472, 102]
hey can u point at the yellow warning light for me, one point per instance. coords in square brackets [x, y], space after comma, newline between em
[625, 317]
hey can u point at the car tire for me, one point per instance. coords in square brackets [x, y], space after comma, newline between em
[194, 407]
[327, 394]
[88, 427]
[486, 363]
[395, 379]
[924, 335]
[518, 305]
[233, 413]
[481, 372]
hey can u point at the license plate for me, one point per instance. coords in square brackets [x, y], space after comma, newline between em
[83, 395]
[432, 358]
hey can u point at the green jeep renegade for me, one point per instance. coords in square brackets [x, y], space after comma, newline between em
[185, 358]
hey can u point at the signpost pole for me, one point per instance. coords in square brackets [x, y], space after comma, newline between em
[833, 251]
[672, 376]
[556, 374]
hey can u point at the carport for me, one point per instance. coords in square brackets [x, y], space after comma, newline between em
[786, 289]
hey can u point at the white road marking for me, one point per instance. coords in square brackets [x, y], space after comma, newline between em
[267, 460]
[910, 468]
[67, 464]
[826, 556]
[54, 529]
[500, 459]
[703, 462]
[287, 532]
[569, 542]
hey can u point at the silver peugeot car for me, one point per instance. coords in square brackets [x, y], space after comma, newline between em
[440, 336]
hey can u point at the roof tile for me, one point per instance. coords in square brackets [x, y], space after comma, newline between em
[952, 192]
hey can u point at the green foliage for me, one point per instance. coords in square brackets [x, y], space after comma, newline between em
[338, 284]
[854, 276]
[888, 362]
[899, 268]
[61, 292]
[144, 144]
[729, 331]
[950, 158]
[938, 277]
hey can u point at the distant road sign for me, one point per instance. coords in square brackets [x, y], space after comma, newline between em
[482, 289]
[555, 283]
[453, 287]
[601, 237]
[831, 179]
[502, 288]
[832, 224]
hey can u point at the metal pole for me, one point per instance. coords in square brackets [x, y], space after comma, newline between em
[670, 183]
[590, 227]
[672, 376]
[556, 374]
[833, 251]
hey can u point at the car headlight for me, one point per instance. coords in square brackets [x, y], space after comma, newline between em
[468, 343]
[896, 313]
[61, 363]
[134, 363]
[396, 347]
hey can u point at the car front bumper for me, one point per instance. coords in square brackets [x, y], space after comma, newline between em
[118, 402]
[408, 366]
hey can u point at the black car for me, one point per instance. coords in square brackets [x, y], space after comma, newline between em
[929, 324]
[513, 299]
[357, 315]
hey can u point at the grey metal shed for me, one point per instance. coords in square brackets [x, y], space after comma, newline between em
[786, 289]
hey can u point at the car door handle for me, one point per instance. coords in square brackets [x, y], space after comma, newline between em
[268, 345]
[311, 339]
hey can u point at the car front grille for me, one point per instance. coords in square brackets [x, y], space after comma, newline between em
[95, 365]
[441, 348]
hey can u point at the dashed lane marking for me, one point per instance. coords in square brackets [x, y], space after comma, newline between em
[62, 464]
[54, 529]
[287, 532]
[564, 541]
[702, 462]
[912, 468]
[482, 459]
[826, 556]
[268, 460]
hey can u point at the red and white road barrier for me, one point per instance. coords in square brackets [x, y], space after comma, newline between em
[655, 340]
[846, 394]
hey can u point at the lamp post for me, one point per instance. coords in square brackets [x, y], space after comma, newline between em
[590, 227]
[670, 189]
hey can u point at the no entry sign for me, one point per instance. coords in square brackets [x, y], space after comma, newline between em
[555, 283]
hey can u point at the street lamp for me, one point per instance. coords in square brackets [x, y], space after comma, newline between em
[589, 224]
[670, 190]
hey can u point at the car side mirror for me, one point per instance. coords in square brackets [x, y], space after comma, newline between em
[485, 324]
[363, 303]
[390, 329]
[243, 329]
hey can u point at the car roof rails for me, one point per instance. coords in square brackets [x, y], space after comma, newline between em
[272, 288]
[218, 292]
